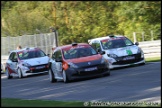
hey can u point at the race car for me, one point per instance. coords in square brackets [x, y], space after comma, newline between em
[27, 61]
[119, 50]
[76, 61]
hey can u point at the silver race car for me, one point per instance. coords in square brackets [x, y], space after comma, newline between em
[119, 50]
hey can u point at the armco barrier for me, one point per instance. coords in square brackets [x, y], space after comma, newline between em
[151, 48]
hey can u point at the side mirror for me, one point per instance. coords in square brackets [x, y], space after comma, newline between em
[98, 49]
[136, 43]
[58, 59]
[48, 55]
[14, 60]
[102, 52]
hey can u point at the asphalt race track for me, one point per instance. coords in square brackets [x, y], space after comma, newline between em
[137, 83]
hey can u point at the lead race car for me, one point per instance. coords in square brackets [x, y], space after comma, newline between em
[76, 61]
[119, 50]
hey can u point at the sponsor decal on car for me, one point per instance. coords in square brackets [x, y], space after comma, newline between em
[129, 52]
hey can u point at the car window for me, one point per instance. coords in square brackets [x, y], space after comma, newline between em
[79, 52]
[13, 56]
[31, 54]
[116, 43]
[128, 42]
[57, 55]
[96, 45]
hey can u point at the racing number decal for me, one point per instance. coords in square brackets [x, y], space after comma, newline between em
[129, 52]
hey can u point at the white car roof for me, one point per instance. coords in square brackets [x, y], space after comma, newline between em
[28, 48]
[105, 37]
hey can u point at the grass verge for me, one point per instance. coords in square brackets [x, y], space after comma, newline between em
[155, 59]
[7, 102]
[10, 102]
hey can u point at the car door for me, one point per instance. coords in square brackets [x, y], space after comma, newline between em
[57, 65]
[12, 63]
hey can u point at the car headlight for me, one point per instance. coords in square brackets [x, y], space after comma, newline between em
[103, 60]
[112, 55]
[140, 51]
[72, 65]
[26, 64]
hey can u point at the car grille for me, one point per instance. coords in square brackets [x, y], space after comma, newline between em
[38, 68]
[100, 69]
[120, 60]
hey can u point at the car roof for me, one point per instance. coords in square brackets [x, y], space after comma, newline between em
[105, 37]
[71, 45]
[23, 49]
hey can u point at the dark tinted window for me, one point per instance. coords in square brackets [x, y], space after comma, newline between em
[31, 54]
[57, 55]
[116, 43]
[79, 52]
[13, 56]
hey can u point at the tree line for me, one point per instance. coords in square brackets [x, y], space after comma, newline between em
[81, 20]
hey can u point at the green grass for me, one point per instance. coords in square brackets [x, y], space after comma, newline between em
[8, 102]
[155, 59]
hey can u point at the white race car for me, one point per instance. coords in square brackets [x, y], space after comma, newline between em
[27, 61]
[119, 50]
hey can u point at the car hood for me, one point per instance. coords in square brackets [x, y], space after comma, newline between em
[124, 51]
[36, 61]
[85, 59]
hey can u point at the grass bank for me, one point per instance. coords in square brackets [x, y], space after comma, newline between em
[47, 103]
[155, 59]
[9, 102]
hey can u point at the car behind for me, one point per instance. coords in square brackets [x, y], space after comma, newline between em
[119, 50]
[27, 61]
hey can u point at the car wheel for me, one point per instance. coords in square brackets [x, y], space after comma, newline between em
[107, 74]
[65, 78]
[20, 73]
[8, 74]
[51, 76]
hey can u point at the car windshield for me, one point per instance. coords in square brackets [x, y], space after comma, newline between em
[79, 52]
[30, 54]
[116, 43]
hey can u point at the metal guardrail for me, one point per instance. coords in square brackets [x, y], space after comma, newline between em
[151, 48]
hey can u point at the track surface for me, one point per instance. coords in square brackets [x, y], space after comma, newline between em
[137, 83]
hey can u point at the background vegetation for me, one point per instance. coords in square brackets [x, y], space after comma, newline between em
[81, 20]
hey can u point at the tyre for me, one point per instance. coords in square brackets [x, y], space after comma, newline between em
[107, 74]
[51, 76]
[20, 73]
[8, 74]
[65, 77]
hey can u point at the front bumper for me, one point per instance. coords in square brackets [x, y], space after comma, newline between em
[33, 70]
[119, 62]
[80, 73]
[130, 64]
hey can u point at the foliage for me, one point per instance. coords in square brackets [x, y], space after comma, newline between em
[81, 20]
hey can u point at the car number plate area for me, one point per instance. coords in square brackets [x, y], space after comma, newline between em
[129, 58]
[40, 67]
[91, 69]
